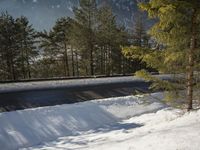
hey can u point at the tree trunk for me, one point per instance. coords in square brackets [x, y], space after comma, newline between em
[64, 66]
[23, 63]
[66, 60]
[190, 68]
[101, 63]
[27, 59]
[12, 67]
[123, 71]
[111, 61]
[77, 64]
[91, 60]
[73, 69]
[28, 64]
[106, 61]
[29, 69]
[8, 66]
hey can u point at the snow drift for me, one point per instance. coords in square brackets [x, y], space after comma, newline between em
[166, 129]
[19, 129]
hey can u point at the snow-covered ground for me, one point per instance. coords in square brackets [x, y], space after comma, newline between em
[166, 129]
[123, 123]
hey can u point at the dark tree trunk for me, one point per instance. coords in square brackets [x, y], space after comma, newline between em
[12, 67]
[190, 68]
[101, 63]
[66, 60]
[77, 64]
[28, 64]
[23, 63]
[91, 61]
[72, 54]
[106, 61]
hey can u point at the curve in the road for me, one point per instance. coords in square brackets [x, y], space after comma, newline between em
[23, 99]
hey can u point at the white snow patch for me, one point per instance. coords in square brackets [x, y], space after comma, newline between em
[123, 123]
[19, 129]
[167, 129]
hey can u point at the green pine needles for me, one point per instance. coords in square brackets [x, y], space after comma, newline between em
[176, 46]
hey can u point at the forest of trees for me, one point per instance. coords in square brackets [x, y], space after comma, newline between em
[88, 44]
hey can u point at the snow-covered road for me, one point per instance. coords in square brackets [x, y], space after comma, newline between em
[16, 96]
[20, 86]
[37, 94]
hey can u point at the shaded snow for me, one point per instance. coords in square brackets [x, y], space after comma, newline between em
[167, 129]
[30, 127]
[123, 123]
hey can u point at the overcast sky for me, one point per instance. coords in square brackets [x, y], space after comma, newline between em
[41, 13]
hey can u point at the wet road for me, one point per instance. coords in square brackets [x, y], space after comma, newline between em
[31, 98]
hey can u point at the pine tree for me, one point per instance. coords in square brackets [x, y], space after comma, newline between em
[48, 63]
[17, 48]
[56, 44]
[140, 37]
[176, 30]
[110, 38]
[75, 47]
[26, 39]
[9, 48]
[123, 65]
[85, 17]
[107, 30]
[61, 41]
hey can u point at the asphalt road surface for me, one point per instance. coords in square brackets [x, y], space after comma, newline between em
[22, 99]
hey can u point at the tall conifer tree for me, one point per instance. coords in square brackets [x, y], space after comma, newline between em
[177, 30]
[26, 39]
[85, 16]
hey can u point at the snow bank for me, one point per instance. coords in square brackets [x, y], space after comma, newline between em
[29, 127]
[167, 129]
[130, 106]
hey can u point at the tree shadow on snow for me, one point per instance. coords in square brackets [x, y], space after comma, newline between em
[118, 126]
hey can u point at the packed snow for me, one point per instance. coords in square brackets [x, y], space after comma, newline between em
[128, 123]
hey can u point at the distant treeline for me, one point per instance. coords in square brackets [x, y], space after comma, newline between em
[86, 45]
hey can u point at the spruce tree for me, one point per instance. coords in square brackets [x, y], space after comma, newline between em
[177, 31]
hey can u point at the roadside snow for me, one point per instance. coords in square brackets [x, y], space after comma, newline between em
[123, 123]
[167, 129]
[30, 127]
